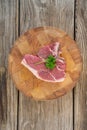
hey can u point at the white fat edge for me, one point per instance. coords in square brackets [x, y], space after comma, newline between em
[55, 48]
[57, 80]
[32, 70]
[61, 60]
[52, 76]
[63, 71]
[61, 79]
[59, 68]
[36, 73]
[28, 67]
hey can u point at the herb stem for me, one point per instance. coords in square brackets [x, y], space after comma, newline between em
[39, 62]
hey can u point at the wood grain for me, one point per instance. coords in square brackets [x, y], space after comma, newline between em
[3, 102]
[31, 42]
[8, 93]
[49, 114]
[3, 91]
[80, 95]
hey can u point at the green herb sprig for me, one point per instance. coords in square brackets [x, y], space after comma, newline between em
[50, 62]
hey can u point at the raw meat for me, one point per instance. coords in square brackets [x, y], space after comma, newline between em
[32, 60]
[51, 49]
[36, 64]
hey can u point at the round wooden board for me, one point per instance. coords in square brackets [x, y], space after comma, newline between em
[31, 42]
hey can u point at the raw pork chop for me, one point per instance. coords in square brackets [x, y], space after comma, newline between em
[36, 64]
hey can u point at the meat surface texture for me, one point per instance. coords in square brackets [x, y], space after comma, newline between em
[36, 64]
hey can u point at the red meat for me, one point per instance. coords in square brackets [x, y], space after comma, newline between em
[36, 64]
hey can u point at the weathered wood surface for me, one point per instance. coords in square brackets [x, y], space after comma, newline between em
[80, 93]
[19, 112]
[49, 115]
[8, 93]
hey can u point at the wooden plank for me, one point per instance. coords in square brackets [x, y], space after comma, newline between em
[80, 95]
[8, 93]
[55, 114]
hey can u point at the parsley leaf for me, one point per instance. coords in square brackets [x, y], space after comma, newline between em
[50, 62]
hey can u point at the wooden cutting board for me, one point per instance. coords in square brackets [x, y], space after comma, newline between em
[31, 42]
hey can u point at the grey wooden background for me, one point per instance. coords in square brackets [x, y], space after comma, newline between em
[18, 112]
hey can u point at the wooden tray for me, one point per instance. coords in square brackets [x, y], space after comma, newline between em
[31, 42]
